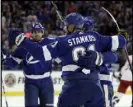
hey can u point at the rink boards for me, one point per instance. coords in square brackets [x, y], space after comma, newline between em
[14, 83]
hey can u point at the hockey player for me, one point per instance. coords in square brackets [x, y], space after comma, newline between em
[104, 75]
[125, 82]
[76, 92]
[38, 82]
[88, 24]
[111, 58]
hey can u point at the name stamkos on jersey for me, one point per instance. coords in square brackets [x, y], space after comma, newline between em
[81, 39]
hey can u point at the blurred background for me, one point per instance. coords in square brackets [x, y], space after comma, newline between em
[23, 14]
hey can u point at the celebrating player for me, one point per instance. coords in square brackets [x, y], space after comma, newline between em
[37, 72]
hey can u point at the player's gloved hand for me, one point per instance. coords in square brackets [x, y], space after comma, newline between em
[15, 36]
[115, 100]
[19, 39]
[124, 33]
[85, 62]
[90, 60]
[117, 75]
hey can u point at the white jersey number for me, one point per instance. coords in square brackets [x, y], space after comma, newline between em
[80, 51]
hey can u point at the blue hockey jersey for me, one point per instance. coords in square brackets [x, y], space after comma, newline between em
[31, 64]
[109, 57]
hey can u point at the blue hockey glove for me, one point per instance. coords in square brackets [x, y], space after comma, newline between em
[15, 36]
[91, 60]
[20, 39]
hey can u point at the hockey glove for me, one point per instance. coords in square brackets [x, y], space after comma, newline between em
[19, 39]
[124, 33]
[90, 60]
[15, 36]
[115, 100]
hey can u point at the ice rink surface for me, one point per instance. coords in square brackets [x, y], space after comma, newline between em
[19, 101]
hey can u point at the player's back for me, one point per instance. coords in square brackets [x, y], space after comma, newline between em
[73, 46]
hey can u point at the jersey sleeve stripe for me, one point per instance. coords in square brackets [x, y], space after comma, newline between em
[70, 67]
[115, 43]
[46, 53]
[18, 60]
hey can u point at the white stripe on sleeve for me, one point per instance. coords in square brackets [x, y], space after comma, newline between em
[58, 60]
[46, 53]
[115, 43]
[18, 60]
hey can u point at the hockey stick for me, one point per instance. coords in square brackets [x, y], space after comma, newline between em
[4, 93]
[118, 28]
[59, 15]
[55, 7]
